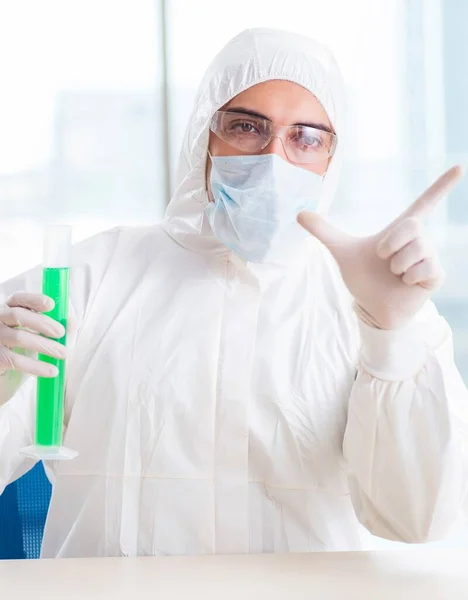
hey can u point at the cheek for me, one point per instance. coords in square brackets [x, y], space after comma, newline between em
[215, 145]
[212, 142]
[218, 147]
[318, 168]
[207, 177]
[207, 171]
[212, 149]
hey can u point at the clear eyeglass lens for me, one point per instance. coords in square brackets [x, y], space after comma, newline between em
[251, 134]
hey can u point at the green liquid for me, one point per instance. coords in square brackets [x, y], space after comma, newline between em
[50, 392]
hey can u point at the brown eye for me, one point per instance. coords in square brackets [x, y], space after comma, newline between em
[247, 127]
[308, 139]
[243, 127]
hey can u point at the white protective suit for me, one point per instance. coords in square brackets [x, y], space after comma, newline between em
[210, 400]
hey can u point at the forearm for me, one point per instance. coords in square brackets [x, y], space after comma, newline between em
[406, 435]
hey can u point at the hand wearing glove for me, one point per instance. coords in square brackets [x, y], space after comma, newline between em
[20, 326]
[393, 273]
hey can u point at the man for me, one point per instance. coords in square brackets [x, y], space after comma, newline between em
[223, 394]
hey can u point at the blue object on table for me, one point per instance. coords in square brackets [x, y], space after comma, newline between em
[23, 511]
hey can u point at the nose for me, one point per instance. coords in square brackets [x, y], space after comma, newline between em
[275, 147]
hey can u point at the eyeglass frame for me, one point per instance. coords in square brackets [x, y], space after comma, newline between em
[273, 129]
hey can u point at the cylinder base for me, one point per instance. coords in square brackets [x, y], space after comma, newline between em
[49, 452]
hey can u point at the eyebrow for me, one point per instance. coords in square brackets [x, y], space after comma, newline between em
[253, 113]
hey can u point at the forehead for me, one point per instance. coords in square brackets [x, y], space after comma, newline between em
[283, 102]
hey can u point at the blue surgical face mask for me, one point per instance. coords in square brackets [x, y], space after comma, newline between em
[256, 202]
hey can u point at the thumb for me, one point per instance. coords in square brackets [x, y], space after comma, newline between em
[330, 236]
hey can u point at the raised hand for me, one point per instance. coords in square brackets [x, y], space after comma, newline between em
[393, 273]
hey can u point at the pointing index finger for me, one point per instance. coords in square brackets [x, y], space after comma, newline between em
[429, 199]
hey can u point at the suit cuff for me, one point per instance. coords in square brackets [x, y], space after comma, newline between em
[395, 354]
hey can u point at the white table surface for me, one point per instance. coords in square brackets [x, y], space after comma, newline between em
[415, 574]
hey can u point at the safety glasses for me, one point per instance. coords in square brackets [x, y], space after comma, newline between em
[250, 134]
